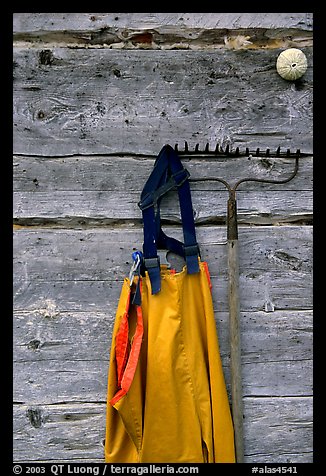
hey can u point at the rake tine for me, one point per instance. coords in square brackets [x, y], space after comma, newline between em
[237, 152]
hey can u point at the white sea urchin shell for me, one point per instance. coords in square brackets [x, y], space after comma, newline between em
[291, 64]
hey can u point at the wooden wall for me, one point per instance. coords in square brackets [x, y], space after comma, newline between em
[96, 96]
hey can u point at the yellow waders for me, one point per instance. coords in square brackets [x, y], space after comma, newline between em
[167, 400]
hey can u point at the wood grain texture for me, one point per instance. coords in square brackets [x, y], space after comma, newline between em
[165, 30]
[267, 291]
[96, 96]
[286, 426]
[31, 22]
[66, 104]
[48, 333]
[49, 376]
[103, 190]
[276, 430]
[109, 208]
[106, 173]
[80, 268]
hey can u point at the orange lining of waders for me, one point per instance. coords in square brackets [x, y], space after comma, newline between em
[207, 274]
[126, 368]
[122, 342]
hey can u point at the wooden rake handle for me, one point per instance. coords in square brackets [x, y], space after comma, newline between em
[234, 327]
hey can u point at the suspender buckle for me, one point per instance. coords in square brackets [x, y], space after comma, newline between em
[192, 250]
[192, 254]
[176, 180]
[146, 202]
[152, 262]
[163, 257]
[180, 177]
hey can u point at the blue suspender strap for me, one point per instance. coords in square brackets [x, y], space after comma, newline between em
[168, 172]
[191, 249]
[147, 203]
[151, 260]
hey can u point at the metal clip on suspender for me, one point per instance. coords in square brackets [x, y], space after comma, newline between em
[168, 172]
[137, 257]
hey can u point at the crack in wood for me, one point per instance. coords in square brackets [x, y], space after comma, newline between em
[85, 223]
[174, 38]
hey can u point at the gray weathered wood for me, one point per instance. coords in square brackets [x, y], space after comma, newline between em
[257, 292]
[106, 173]
[165, 30]
[37, 179]
[58, 360]
[277, 430]
[49, 333]
[101, 207]
[80, 269]
[96, 95]
[36, 22]
[280, 431]
[105, 254]
[54, 432]
[57, 381]
[65, 104]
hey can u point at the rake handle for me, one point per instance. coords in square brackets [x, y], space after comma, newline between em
[234, 327]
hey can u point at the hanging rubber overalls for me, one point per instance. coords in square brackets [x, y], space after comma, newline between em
[167, 400]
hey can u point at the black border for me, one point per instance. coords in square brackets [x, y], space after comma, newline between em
[6, 235]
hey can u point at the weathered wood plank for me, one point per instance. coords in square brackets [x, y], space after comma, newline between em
[266, 292]
[67, 282]
[56, 362]
[57, 381]
[90, 173]
[32, 22]
[96, 254]
[58, 246]
[83, 269]
[65, 104]
[167, 30]
[54, 432]
[261, 207]
[92, 177]
[81, 336]
[54, 381]
[41, 302]
[276, 430]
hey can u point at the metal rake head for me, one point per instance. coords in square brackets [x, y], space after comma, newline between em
[227, 152]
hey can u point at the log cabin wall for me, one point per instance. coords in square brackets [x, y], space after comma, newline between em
[96, 96]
